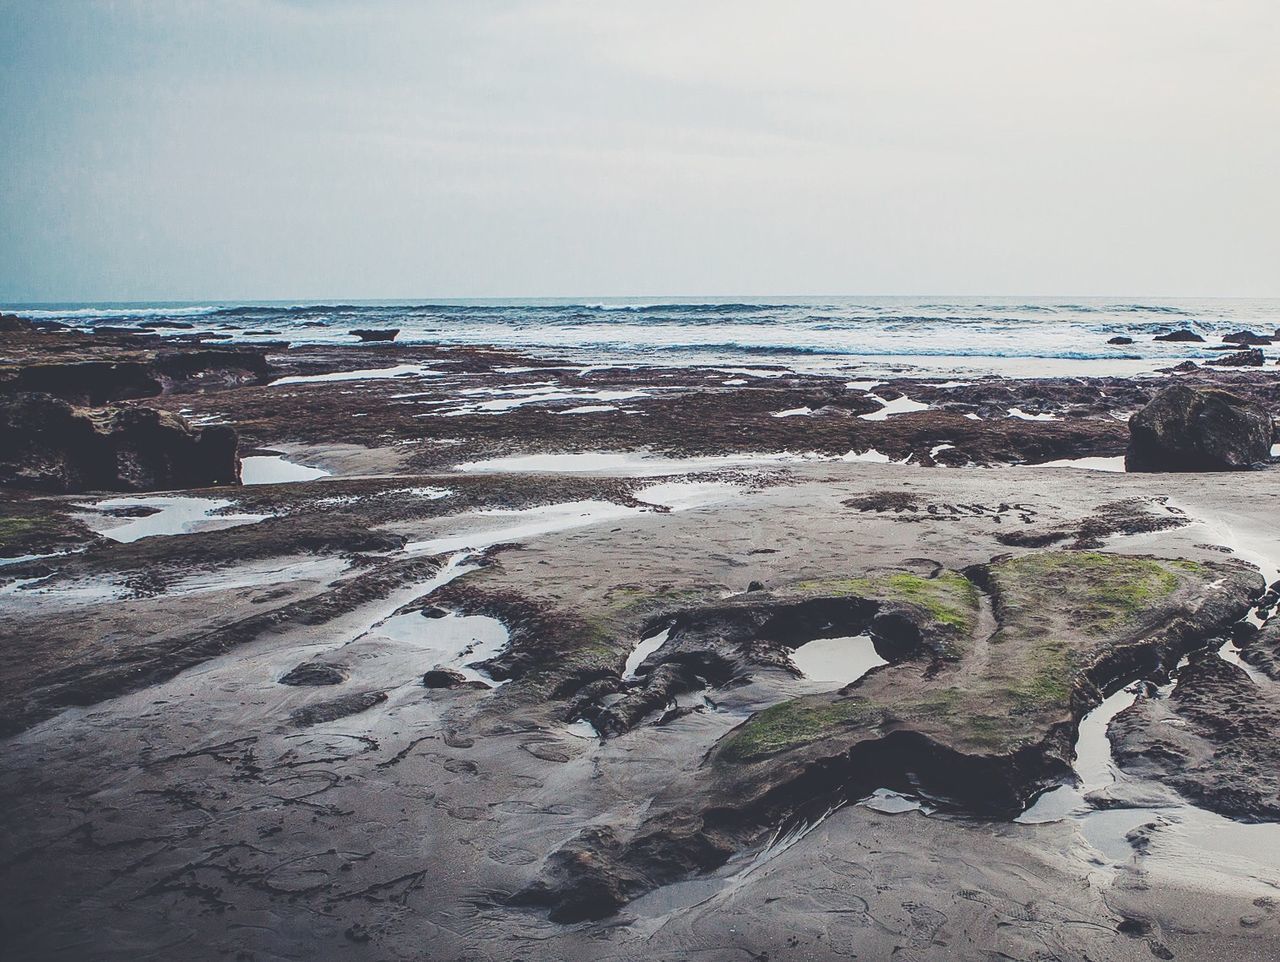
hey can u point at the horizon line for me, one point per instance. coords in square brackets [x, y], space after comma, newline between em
[654, 299]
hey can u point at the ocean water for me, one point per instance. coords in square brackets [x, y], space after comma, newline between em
[874, 335]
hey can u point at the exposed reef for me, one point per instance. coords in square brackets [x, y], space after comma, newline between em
[979, 720]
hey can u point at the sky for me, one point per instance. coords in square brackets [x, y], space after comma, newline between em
[321, 149]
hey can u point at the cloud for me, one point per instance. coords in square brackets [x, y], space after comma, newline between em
[262, 148]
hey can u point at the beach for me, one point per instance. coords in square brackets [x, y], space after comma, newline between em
[735, 631]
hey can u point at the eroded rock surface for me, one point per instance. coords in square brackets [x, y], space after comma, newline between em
[47, 445]
[980, 716]
[1215, 738]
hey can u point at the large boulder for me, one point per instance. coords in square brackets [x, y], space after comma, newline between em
[1194, 429]
[48, 445]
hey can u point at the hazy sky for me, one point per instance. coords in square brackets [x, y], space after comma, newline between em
[194, 149]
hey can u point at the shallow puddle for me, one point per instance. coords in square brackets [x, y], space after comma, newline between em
[173, 515]
[837, 661]
[582, 729]
[1087, 464]
[369, 374]
[869, 456]
[1094, 764]
[453, 641]
[902, 405]
[274, 469]
[643, 650]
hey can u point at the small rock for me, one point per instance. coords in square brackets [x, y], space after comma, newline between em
[374, 334]
[328, 711]
[134, 511]
[443, 678]
[756, 586]
[1120, 339]
[1182, 335]
[315, 674]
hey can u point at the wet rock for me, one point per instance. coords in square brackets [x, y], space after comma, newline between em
[1120, 339]
[329, 711]
[1185, 366]
[12, 324]
[315, 674]
[1262, 649]
[47, 445]
[1130, 516]
[896, 501]
[373, 334]
[657, 689]
[1215, 739]
[1248, 338]
[1190, 429]
[1250, 358]
[1183, 335]
[448, 678]
[986, 726]
[756, 586]
[136, 511]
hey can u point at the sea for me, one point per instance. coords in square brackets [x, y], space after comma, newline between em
[873, 336]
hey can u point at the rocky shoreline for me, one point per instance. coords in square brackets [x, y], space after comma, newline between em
[519, 678]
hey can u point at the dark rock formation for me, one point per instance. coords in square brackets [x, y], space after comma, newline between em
[1182, 335]
[374, 334]
[1250, 358]
[1189, 429]
[1215, 739]
[1248, 338]
[189, 370]
[328, 711]
[92, 382]
[47, 445]
[315, 674]
[1120, 339]
[448, 678]
[1262, 649]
